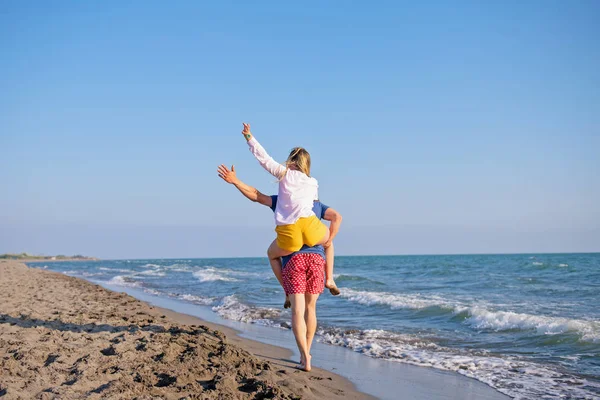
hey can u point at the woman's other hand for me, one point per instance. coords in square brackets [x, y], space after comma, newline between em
[226, 174]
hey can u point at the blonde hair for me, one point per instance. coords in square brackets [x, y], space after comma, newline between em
[300, 158]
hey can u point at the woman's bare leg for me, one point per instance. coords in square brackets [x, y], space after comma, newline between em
[299, 328]
[329, 256]
[329, 281]
[276, 265]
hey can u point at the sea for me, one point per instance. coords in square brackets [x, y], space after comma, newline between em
[527, 325]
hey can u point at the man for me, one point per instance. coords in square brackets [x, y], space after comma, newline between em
[308, 262]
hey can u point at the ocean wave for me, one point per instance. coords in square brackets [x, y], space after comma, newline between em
[479, 317]
[210, 274]
[511, 376]
[152, 273]
[549, 265]
[178, 268]
[205, 301]
[114, 269]
[91, 274]
[121, 280]
[394, 301]
[150, 266]
[82, 274]
[233, 309]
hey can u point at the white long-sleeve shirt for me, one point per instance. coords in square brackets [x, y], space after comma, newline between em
[297, 191]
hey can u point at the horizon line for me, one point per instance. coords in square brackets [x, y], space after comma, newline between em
[353, 255]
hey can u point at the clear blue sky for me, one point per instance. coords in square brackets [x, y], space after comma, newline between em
[434, 127]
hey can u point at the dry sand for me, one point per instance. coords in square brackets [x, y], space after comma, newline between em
[64, 338]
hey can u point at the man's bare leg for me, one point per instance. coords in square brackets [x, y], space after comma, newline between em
[310, 318]
[299, 328]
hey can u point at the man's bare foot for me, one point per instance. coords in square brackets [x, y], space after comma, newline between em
[306, 365]
[333, 289]
[287, 303]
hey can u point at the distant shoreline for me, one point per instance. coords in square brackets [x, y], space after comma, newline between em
[25, 257]
[33, 260]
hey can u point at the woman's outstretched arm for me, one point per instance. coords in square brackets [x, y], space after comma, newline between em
[268, 163]
[251, 193]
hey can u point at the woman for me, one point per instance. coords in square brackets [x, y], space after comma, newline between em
[302, 274]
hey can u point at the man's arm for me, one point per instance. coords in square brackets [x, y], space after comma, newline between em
[249, 192]
[336, 220]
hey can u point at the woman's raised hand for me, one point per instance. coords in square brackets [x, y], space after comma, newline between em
[246, 131]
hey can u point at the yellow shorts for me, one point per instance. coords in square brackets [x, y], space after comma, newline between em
[306, 231]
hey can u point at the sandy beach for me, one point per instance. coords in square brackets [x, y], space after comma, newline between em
[63, 337]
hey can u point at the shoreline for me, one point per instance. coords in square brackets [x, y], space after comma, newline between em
[62, 336]
[353, 373]
[383, 379]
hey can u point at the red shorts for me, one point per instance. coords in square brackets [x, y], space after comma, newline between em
[304, 273]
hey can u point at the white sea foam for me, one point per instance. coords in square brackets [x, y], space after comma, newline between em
[563, 265]
[84, 274]
[121, 280]
[114, 269]
[178, 268]
[153, 292]
[514, 377]
[197, 299]
[150, 266]
[210, 274]
[231, 308]
[151, 272]
[537, 263]
[479, 317]
[482, 318]
[91, 274]
[394, 301]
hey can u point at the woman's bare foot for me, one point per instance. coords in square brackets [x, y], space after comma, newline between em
[333, 289]
[287, 303]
